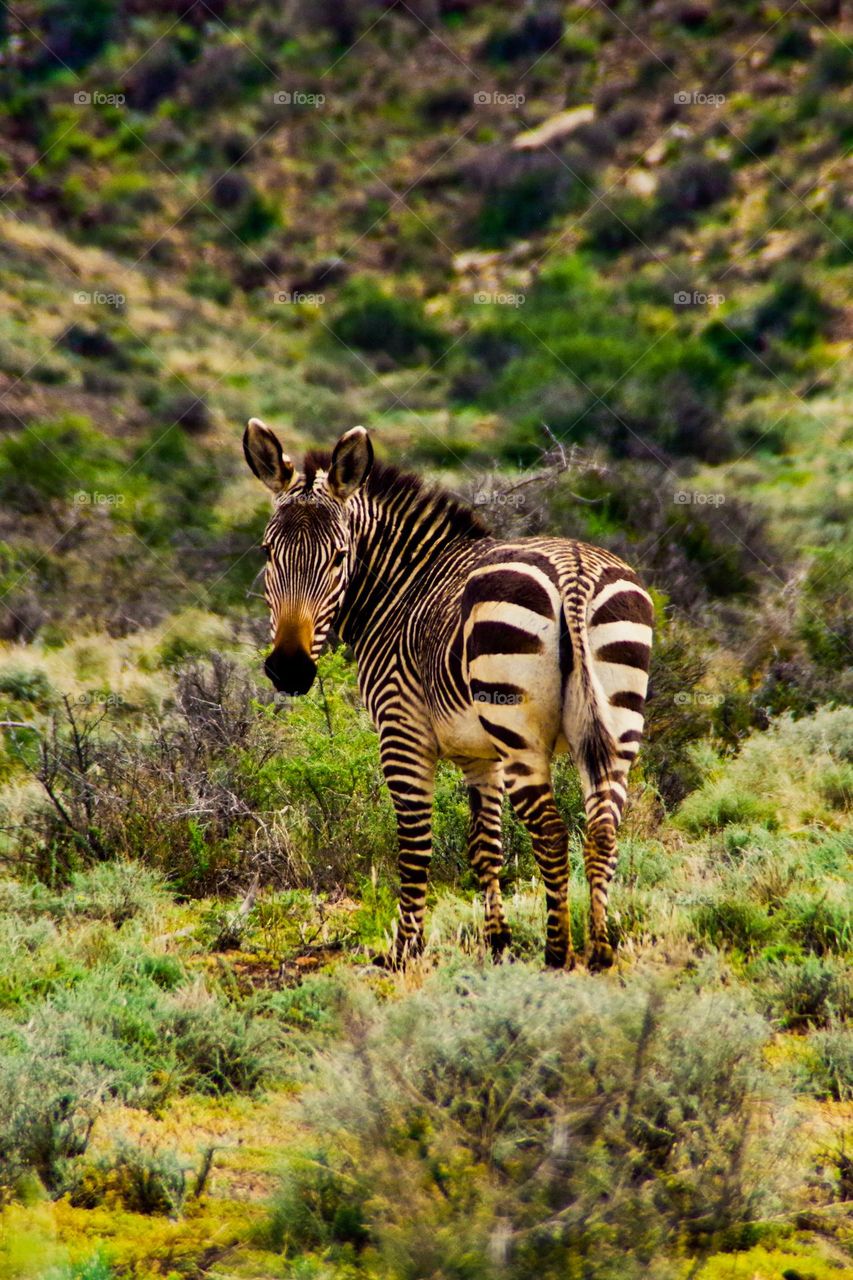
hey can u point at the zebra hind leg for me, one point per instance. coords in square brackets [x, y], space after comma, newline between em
[599, 856]
[604, 797]
[485, 796]
[532, 797]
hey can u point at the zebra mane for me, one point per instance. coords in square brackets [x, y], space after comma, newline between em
[389, 482]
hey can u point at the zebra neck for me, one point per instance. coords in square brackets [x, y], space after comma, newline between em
[394, 550]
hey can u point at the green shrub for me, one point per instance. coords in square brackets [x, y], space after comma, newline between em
[691, 186]
[207, 281]
[376, 322]
[328, 774]
[321, 1209]
[562, 359]
[533, 1124]
[54, 460]
[27, 686]
[721, 803]
[730, 921]
[72, 34]
[33, 962]
[94, 1268]
[778, 776]
[821, 920]
[138, 1178]
[836, 786]
[807, 992]
[833, 63]
[47, 1110]
[531, 36]
[766, 130]
[831, 1068]
[677, 719]
[794, 44]
[114, 891]
[792, 312]
[621, 221]
[218, 1048]
[827, 607]
[522, 196]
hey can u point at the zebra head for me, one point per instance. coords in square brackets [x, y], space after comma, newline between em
[308, 545]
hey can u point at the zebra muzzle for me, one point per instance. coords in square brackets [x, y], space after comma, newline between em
[291, 672]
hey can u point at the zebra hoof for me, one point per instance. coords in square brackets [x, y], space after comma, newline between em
[559, 958]
[601, 957]
[500, 944]
[399, 957]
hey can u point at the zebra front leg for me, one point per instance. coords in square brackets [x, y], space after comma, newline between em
[485, 796]
[529, 788]
[411, 780]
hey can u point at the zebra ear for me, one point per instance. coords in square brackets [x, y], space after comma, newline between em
[352, 459]
[265, 457]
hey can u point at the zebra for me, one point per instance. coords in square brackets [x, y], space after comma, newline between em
[491, 654]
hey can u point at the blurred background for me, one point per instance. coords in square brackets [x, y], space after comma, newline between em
[588, 266]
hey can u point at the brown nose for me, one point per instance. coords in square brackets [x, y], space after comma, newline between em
[293, 632]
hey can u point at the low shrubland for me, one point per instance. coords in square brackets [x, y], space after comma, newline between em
[99, 1007]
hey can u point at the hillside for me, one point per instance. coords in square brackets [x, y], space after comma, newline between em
[588, 266]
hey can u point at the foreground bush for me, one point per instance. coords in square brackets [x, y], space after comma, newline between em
[536, 1125]
[89, 1015]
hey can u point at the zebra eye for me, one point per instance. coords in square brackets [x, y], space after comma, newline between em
[265, 550]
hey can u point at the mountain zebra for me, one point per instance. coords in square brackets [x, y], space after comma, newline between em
[491, 654]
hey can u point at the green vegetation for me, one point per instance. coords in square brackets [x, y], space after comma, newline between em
[588, 266]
